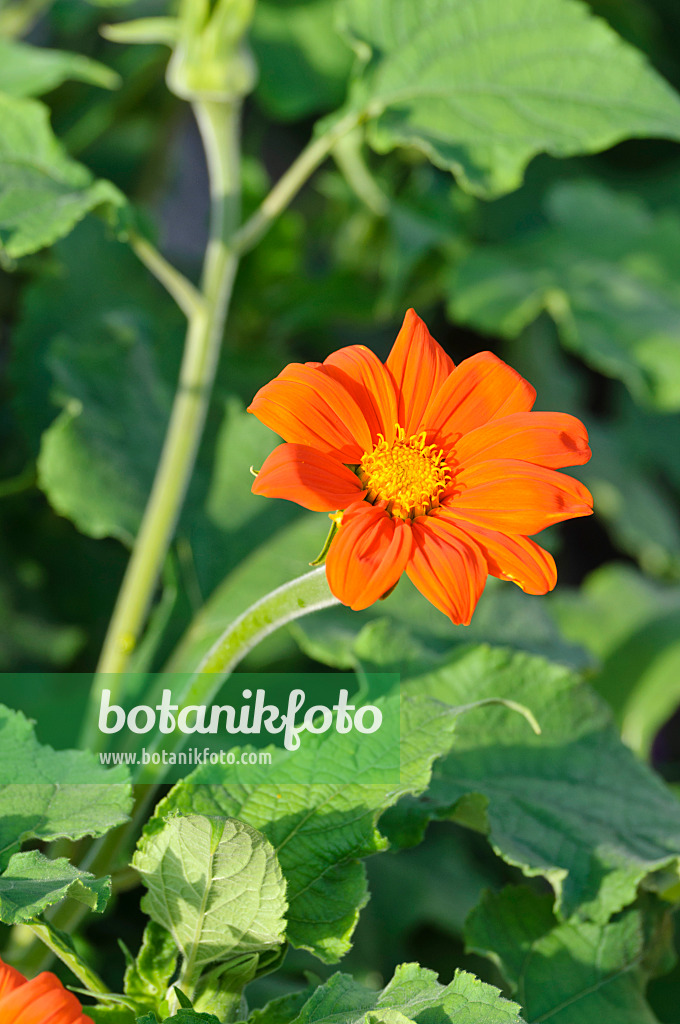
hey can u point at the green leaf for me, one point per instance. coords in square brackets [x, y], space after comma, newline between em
[303, 63]
[637, 510]
[215, 885]
[189, 1016]
[31, 882]
[320, 831]
[573, 804]
[147, 977]
[413, 994]
[606, 269]
[632, 624]
[27, 639]
[112, 1015]
[482, 88]
[53, 794]
[572, 973]
[33, 70]
[403, 629]
[43, 193]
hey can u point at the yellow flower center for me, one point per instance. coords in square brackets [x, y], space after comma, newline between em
[407, 474]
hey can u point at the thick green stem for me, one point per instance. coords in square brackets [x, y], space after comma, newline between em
[218, 123]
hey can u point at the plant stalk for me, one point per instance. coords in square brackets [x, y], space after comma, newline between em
[288, 186]
[67, 955]
[218, 123]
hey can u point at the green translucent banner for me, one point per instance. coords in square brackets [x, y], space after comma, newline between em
[312, 728]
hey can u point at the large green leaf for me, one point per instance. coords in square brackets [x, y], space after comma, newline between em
[605, 268]
[413, 994]
[53, 794]
[321, 830]
[576, 972]
[32, 70]
[215, 885]
[43, 193]
[482, 86]
[633, 625]
[573, 804]
[31, 882]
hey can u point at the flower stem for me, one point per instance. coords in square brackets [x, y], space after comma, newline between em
[291, 182]
[308, 593]
[218, 123]
[187, 297]
[67, 954]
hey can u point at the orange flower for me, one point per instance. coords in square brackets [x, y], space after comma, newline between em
[44, 1000]
[441, 471]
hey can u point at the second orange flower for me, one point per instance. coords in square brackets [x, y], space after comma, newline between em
[440, 471]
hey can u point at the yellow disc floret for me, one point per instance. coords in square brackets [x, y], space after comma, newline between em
[407, 474]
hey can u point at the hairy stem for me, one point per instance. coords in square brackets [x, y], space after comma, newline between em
[61, 948]
[308, 593]
[218, 123]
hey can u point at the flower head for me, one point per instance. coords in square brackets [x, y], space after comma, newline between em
[44, 1000]
[440, 471]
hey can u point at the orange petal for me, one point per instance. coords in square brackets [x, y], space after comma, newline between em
[10, 979]
[552, 439]
[514, 558]
[367, 556]
[515, 497]
[419, 366]
[306, 406]
[303, 474]
[480, 389]
[371, 385]
[44, 1000]
[446, 567]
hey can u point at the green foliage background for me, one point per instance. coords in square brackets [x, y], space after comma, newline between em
[550, 235]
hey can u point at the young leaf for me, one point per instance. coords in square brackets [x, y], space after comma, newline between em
[215, 885]
[573, 804]
[413, 994]
[53, 794]
[43, 193]
[321, 830]
[148, 976]
[482, 87]
[606, 270]
[577, 972]
[31, 882]
[33, 70]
